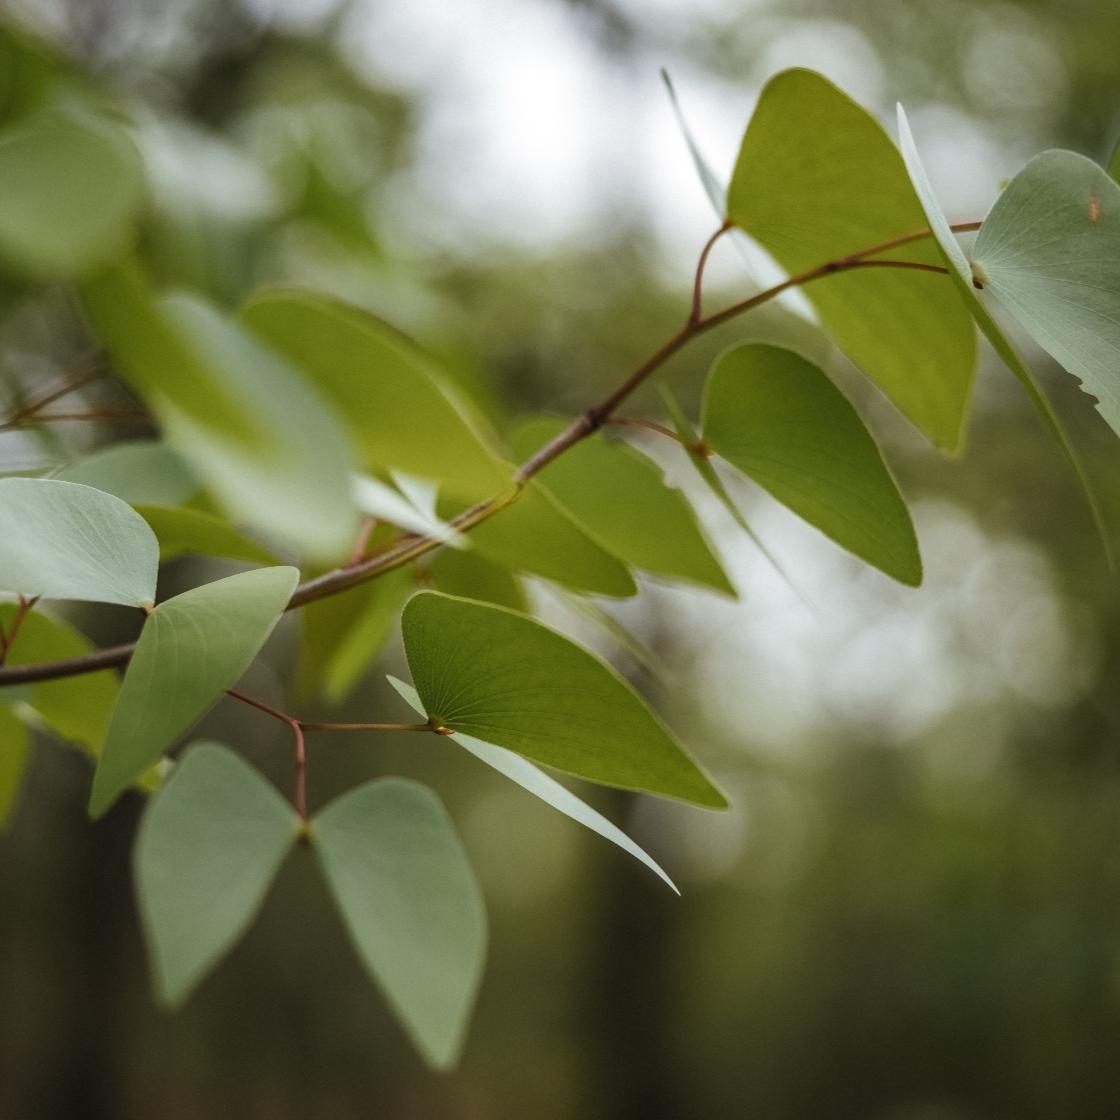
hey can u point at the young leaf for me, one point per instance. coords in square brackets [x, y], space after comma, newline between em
[182, 530]
[539, 784]
[817, 179]
[782, 422]
[75, 708]
[535, 534]
[69, 195]
[621, 497]
[14, 752]
[412, 906]
[192, 648]
[506, 679]
[210, 843]
[960, 272]
[62, 540]
[266, 445]
[140, 472]
[1050, 252]
[403, 414]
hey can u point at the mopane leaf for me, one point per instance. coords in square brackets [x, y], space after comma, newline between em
[14, 753]
[192, 648]
[538, 783]
[504, 678]
[62, 540]
[535, 534]
[269, 449]
[782, 422]
[75, 708]
[140, 472]
[404, 415]
[817, 179]
[1050, 252]
[68, 196]
[464, 572]
[960, 271]
[182, 530]
[210, 843]
[622, 499]
[1114, 162]
[411, 904]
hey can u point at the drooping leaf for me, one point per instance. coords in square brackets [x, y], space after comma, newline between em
[781, 421]
[1049, 250]
[192, 648]
[75, 708]
[180, 530]
[14, 753]
[535, 534]
[62, 540]
[69, 195]
[539, 784]
[818, 179]
[464, 572]
[269, 449]
[509, 680]
[622, 499]
[411, 904]
[209, 845]
[960, 271]
[403, 414]
[140, 472]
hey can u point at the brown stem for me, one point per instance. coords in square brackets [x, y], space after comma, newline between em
[409, 548]
[89, 372]
[357, 553]
[696, 314]
[299, 790]
[645, 425]
[365, 726]
[103, 416]
[8, 639]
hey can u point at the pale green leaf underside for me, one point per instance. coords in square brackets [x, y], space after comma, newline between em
[140, 472]
[621, 497]
[506, 679]
[62, 540]
[535, 534]
[403, 414]
[817, 179]
[209, 845]
[14, 753]
[266, 445]
[411, 904]
[1049, 250]
[538, 783]
[781, 421]
[75, 708]
[68, 197]
[960, 271]
[181, 530]
[192, 648]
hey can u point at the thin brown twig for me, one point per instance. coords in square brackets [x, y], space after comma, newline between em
[406, 549]
[89, 371]
[644, 424]
[696, 314]
[8, 638]
[100, 416]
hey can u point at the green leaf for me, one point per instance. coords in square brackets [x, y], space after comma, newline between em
[62, 540]
[192, 648]
[1114, 163]
[466, 573]
[1049, 250]
[621, 497]
[506, 679]
[343, 634]
[403, 414]
[69, 196]
[817, 179]
[781, 421]
[539, 784]
[536, 535]
[209, 845]
[960, 271]
[182, 530]
[266, 445]
[140, 472]
[411, 904]
[75, 708]
[14, 754]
